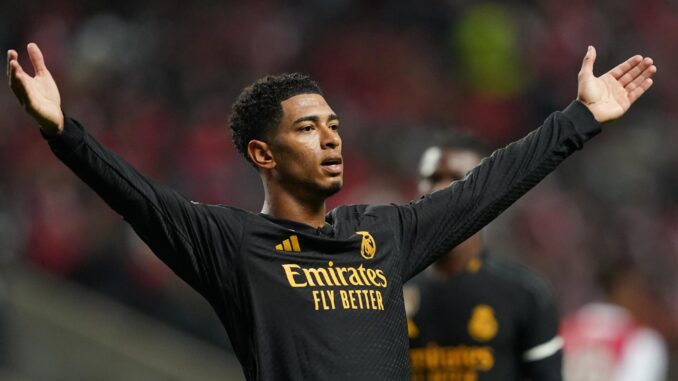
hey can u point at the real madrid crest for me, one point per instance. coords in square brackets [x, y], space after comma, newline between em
[367, 247]
[483, 325]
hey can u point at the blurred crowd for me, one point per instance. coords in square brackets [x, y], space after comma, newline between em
[154, 80]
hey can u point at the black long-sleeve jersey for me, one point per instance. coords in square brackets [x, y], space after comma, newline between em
[495, 321]
[300, 303]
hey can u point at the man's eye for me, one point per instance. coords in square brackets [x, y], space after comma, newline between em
[334, 127]
[306, 128]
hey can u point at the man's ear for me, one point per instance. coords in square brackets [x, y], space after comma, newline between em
[260, 153]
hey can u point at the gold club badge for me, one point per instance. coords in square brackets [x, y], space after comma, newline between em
[483, 325]
[368, 247]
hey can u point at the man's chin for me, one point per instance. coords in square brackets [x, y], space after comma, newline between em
[333, 188]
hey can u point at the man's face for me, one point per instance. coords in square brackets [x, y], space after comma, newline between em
[307, 147]
[440, 167]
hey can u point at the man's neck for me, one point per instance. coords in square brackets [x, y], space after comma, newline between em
[279, 203]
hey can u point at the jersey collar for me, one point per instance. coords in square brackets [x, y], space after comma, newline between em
[325, 230]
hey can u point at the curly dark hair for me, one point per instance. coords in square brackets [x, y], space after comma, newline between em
[258, 110]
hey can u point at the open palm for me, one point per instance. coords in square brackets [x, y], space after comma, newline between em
[39, 94]
[612, 94]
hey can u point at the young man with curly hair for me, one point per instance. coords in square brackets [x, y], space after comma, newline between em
[305, 294]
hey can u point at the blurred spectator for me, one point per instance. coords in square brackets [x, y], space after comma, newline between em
[605, 342]
[474, 315]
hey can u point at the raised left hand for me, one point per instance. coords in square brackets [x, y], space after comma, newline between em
[612, 94]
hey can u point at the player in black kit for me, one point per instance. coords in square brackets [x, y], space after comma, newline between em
[474, 315]
[305, 294]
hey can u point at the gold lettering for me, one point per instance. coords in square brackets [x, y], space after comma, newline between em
[486, 360]
[323, 299]
[314, 273]
[455, 363]
[290, 273]
[316, 299]
[361, 294]
[358, 299]
[372, 276]
[351, 295]
[340, 272]
[354, 278]
[432, 354]
[326, 306]
[466, 357]
[417, 359]
[333, 273]
[330, 294]
[381, 276]
[344, 299]
[373, 300]
[334, 276]
[361, 270]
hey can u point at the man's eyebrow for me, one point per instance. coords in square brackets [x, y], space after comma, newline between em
[315, 118]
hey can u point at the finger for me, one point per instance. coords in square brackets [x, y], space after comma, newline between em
[625, 66]
[11, 55]
[37, 59]
[587, 64]
[634, 72]
[16, 71]
[640, 90]
[17, 81]
[647, 73]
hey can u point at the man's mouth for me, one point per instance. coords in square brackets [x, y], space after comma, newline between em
[333, 165]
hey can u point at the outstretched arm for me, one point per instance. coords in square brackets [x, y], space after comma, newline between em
[183, 234]
[440, 221]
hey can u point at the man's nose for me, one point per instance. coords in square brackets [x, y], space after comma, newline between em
[329, 138]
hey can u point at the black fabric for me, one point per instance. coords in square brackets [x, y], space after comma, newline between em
[480, 324]
[270, 298]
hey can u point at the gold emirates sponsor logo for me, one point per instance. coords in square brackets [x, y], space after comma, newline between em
[455, 363]
[331, 276]
[334, 279]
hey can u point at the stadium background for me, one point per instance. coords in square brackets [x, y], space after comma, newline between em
[83, 298]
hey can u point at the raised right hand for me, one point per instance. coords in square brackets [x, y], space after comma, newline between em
[39, 94]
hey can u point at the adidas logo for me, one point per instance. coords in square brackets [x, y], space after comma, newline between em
[291, 244]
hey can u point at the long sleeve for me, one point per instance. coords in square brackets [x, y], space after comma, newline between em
[436, 223]
[197, 241]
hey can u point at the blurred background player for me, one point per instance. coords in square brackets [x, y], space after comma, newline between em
[473, 315]
[604, 341]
